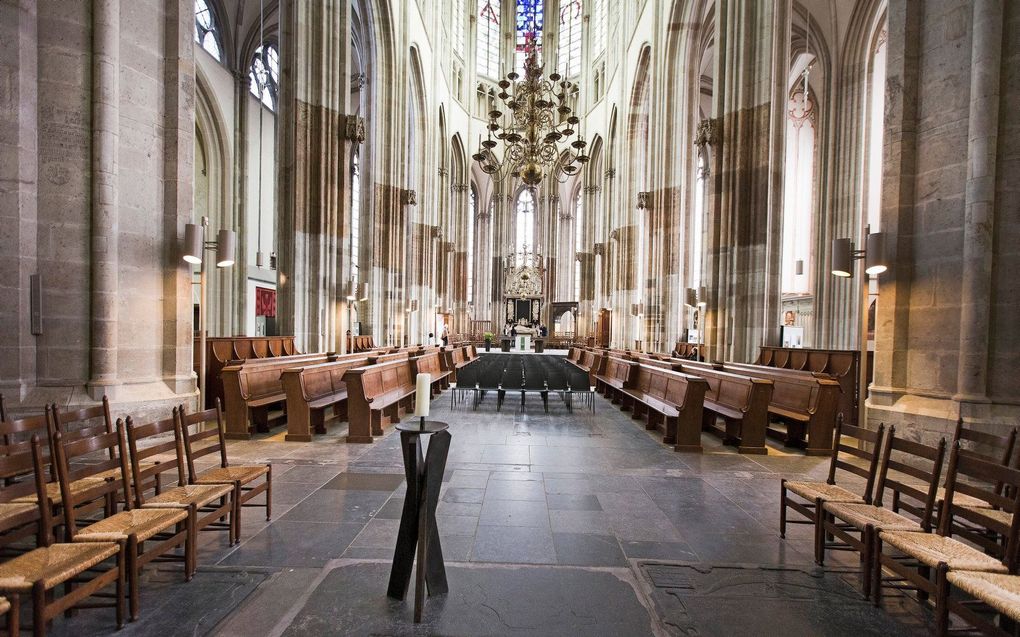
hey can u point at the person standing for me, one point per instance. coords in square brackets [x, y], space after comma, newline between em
[446, 335]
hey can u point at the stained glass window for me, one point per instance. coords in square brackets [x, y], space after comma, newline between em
[487, 46]
[264, 75]
[205, 29]
[525, 219]
[528, 30]
[569, 58]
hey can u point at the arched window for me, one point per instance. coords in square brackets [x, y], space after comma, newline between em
[470, 273]
[528, 32]
[578, 244]
[569, 55]
[206, 32]
[459, 17]
[525, 219]
[798, 197]
[598, 33]
[875, 129]
[264, 75]
[487, 45]
[698, 221]
[355, 246]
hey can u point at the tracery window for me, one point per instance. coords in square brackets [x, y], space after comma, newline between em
[470, 274]
[264, 75]
[798, 197]
[528, 32]
[578, 244]
[525, 219]
[206, 32]
[487, 45]
[598, 34]
[569, 54]
[355, 246]
[459, 18]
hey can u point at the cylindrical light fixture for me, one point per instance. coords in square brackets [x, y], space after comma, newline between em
[702, 296]
[364, 292]
[690, 297]
[260, 259]
[352, 290]
[842, 257]
[875, 260]
[193, 243]
[225, 248]
[799, 267]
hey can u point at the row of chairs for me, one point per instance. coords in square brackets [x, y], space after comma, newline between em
[956, 540]
[118, 496]
[515, 373]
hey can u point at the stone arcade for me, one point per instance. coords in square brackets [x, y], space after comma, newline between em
[768, 246]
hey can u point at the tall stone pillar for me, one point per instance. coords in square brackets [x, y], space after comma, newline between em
[745, 218]
[979, 211]
[104, 252]
[314, 182]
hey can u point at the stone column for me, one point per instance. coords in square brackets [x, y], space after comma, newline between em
[745, 220]
[19, 142]
[314, 151]
[104, 253]
[979, 215]
[178, 194]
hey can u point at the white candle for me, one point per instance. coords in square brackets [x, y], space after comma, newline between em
[423, 395]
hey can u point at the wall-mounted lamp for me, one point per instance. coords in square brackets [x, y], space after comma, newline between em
[874, 256]
[352, 291]
[875, 263]
[798, 267]
[195, 246]
[364, 292]
[696, 297]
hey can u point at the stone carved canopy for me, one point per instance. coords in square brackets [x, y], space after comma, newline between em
[524, 281]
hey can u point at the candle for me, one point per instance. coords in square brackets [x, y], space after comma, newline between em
[423, 395]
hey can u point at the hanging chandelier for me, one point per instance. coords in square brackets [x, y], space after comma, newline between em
[538, 120]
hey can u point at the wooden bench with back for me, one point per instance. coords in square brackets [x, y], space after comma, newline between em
[254, 389]
[377, 394]
[742, 402]
[672, 401]
[313, 389]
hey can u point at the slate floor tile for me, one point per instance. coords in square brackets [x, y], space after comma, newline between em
[514, 545]
[586, 549]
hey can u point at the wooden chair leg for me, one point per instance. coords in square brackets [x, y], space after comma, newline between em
[782, 509]
[269, 493]
[190, 540]
[133, 574]
[868, 539]
[14, 616]
[876, 569]
[120, 586]
[941, 600]
[39, 609]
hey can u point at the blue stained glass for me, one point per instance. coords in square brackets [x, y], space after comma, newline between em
[529, 24]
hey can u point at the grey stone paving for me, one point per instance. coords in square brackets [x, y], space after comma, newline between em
[548, 524]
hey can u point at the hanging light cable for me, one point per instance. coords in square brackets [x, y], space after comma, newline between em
[260, 78]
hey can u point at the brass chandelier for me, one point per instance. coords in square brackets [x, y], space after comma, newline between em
[539, 119]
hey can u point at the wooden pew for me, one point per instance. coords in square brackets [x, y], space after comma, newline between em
[841, 365]
[254, 388]
[311, 390]
[433, 364]
[613, 375]
[742, 402]
[806, 401]
[376, 395]
[222, 351]
[673, 402]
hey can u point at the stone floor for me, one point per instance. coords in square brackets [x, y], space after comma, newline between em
[551, 524]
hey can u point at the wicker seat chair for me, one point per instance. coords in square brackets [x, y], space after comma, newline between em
[145, 535]
[213, 504]
[865, 446]
[917, 555]
[203, 435]
[916, 470]
[81, 570]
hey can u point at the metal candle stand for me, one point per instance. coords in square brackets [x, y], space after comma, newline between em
[418, 530]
